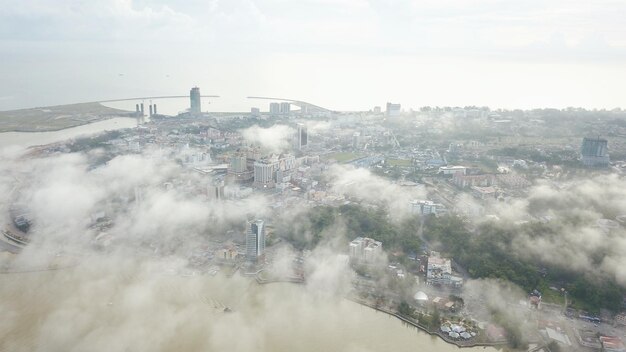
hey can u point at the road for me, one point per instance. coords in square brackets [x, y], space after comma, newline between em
[5, 246]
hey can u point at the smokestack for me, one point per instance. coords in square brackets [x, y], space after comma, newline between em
[155, 109]
[150, 109]
[142, 113]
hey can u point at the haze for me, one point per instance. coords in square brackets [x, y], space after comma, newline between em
[343, 54]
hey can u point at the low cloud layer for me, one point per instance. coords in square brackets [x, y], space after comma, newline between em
[361, 184]
[571, 228]
[273, 139]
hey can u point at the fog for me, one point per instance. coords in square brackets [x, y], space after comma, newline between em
[572, 214]
[274, 139]
[139, 293]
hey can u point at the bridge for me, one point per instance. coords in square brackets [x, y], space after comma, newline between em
[302, 104]
[148, 98]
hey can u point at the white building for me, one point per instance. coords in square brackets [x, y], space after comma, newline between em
[451, 170]
[285, 108]
[255, 240]
[439, 272]
[365, 249]
[264, 172]
[426, 207]
[393, 110]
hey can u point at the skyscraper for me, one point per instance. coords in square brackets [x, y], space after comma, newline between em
[194, 96]
[255, 240]
[285, 108]
[302, 137]
[594, 152]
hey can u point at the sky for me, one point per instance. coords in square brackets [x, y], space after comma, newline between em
[340, 54]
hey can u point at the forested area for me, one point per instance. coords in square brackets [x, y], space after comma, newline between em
[489, 253]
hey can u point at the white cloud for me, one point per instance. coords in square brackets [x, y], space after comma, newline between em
[273, 139]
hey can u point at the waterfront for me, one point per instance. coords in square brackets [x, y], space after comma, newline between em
[142, 310]
[27, 139]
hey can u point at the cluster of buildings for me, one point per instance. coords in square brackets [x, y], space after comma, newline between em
[283, 108]
[365, 250]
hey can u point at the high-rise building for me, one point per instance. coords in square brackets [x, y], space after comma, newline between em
[194, 96]
[255, 240]
[264, 171]
[302, 137]
[255, 112]
[238, 163]
[215, 190]
[393, 110]
[594, 152]
[238, 169]
[274, 108]
[285, 108]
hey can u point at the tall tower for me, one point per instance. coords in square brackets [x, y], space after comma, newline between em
[255, 240]
[303, 136]
[194, 96]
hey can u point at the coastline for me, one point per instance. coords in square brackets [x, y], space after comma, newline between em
[58, 117]
[61, 128]
[459, 344]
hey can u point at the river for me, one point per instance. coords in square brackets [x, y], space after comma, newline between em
[114, 306]
[27, 139]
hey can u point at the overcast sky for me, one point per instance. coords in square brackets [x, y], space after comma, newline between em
[342, 54]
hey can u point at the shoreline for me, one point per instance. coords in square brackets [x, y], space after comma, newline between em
[57, 129]
[424, 329]
[405, 320]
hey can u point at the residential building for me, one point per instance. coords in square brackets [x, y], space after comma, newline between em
[274, 108]
[365, 249]
[227, 253]
[463, 181]
[194, 96]
[426, 207]
[453, 170]
[238, 164]
[484, 192]
[620, 319]
[439, 272]
[612, 344]
[264, 172]
[393, 110]
[594, 152]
